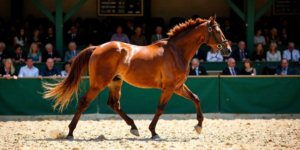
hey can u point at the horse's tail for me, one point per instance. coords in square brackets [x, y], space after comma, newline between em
[62, 92]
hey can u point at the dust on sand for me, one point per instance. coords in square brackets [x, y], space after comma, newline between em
[175, 134]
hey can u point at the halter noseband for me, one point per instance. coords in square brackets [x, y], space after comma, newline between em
[210, 32]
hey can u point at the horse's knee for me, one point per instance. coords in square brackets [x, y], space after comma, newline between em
[83, 104]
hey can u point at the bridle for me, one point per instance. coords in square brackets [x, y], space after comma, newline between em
[210, 32]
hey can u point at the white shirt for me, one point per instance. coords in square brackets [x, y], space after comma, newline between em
[64, 73]
[21, 42]
[287, 54]
[27, 72]
[275, 57]
[215, 56]
[259, 40]
[159, 36]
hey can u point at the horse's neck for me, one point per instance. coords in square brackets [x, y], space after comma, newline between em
[188, 43]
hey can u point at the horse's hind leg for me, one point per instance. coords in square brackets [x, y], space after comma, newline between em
[97, 85]
[185, 92]
[114, 103]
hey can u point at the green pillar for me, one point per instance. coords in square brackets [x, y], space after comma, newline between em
[250, 25]
[59, 26]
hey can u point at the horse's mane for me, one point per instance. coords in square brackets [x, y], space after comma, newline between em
[183, 26]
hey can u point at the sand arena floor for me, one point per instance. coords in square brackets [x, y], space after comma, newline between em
[176, 134]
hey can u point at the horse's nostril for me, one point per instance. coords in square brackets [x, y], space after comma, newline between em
[228, 51]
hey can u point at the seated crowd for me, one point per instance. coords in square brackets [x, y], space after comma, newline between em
[137, 34]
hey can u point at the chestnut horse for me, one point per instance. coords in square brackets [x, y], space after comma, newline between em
[163, 65]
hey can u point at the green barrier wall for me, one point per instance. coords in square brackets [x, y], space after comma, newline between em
[22, 97]
[259, 94]
[144, 101]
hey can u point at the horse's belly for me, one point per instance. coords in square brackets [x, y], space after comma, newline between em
[143, 80]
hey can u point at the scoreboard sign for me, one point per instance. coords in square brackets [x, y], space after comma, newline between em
[120, 7]
[286, 7]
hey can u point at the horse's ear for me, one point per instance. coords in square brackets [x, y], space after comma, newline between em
[213, 19]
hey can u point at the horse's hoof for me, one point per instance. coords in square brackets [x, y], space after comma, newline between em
[70, 137]
[155, 137]
[135, 132]
[198, 129]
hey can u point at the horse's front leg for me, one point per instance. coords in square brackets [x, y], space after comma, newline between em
[164, 98]
[185, 92]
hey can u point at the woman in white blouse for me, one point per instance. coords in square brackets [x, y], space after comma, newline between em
[214, 56]
[273, 54]
[20, 38]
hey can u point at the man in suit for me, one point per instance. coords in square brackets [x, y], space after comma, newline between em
[158, 35]
[284, 69]
[3, 54]
[50, 53]
[200, 55]
[240, 54]
[73, 36]
[70, 55]
[231, 69]
[227, 30]
[50, 38]
[130, 29]
[197, 70]
[138, 38]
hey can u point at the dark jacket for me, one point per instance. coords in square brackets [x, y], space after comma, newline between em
[237, 56]
[47, 72]
[226, 71]
[200, 55]
[255, 56]
[45, 55]
[4, 55]
[3, 72]
[18, 57]
[290, 71]
[201, 71]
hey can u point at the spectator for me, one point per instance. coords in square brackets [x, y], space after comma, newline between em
[67, 67]
[3, 54]
[18, 55]
[200, 55]
[240, 54]
[34, 53]
[273, 54]
[50, 53]
[284, 69]
[8, 70]
[227, 30]
[248, 70]
[138, 38]
[20, 38]
[27, 30]
[284, 38]
[119, 36]
[80, 31]
[291, 54]
[12, 33]
[42, 33]
[50, 69]
[158, 35]
[231, 69]
[230, 43]
[36, 38]
[50, 38]
[29, 70]
[297, 69]
[129, 29]
[214, 56]
[146, 31]
[273, 38]
[73, 37]
[70, 55]
[3, 35]
[258, 38]
[196, 69]
[259, 54]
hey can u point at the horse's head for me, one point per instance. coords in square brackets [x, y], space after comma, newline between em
[215, 37]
